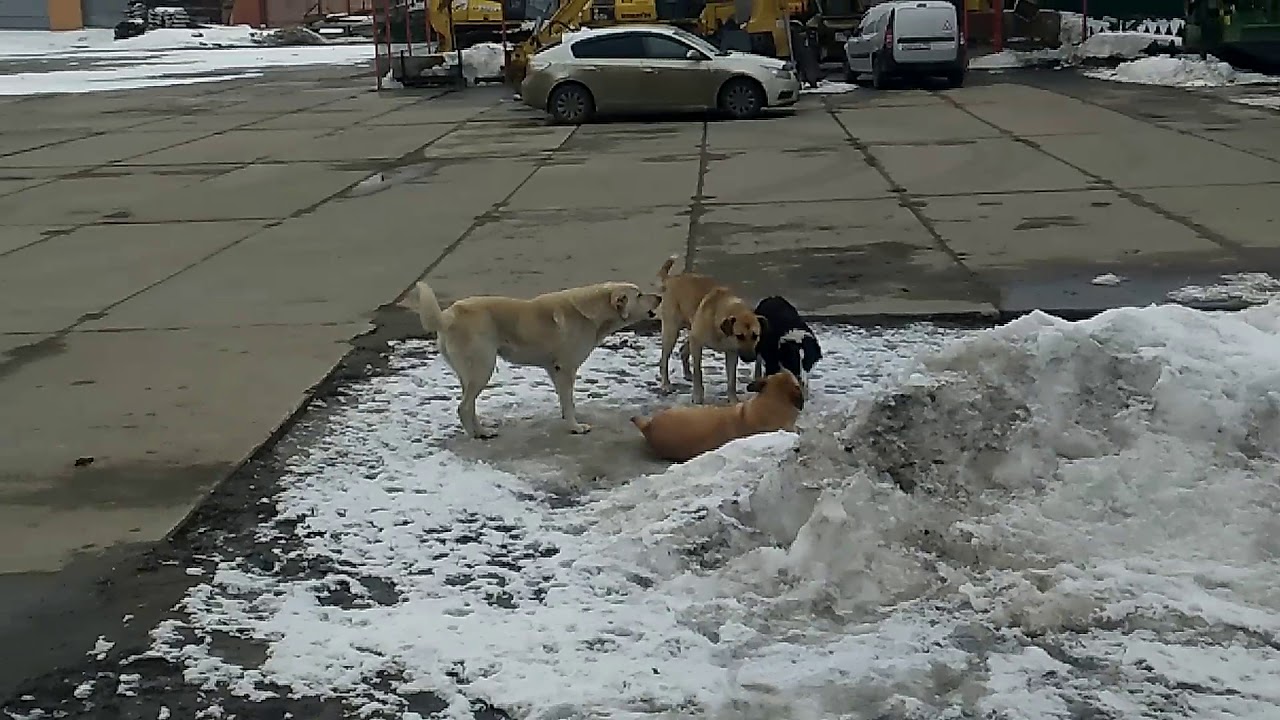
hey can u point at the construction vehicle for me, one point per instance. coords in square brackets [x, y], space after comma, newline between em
[1245, 33]
[454, 24]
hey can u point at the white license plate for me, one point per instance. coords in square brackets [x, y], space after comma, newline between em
[841, 37]
[914, 46]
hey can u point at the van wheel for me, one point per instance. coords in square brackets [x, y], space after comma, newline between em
[955, 78]
[879, 78]
[850, 76]
[571, 104]
[741, 99]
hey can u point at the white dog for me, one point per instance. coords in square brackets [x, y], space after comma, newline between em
[555, 331]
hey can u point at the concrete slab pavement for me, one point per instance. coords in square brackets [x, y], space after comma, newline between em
[175, 279]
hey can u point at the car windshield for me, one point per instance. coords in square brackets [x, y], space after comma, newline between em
[697, 42]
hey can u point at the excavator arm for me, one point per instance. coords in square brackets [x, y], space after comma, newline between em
[567, 17]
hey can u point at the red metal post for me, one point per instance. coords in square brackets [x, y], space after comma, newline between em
[506, 49]
[386, 24]
[408, 28]
[997, 30]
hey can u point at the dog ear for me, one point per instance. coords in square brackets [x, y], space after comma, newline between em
[755, 386]
[621, 299]
[726, 327]
[796, 395]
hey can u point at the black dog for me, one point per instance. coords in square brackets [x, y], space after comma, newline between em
[786, 342]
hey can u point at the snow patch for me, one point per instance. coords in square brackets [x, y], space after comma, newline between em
[1107, 279]
[829, 87]
[1271, 102]
[157, 58]
[1253, 288]
[101, 648]
[1036, 519]
[1183, 71]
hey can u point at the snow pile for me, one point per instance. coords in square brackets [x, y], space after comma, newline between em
[1185, 71]
[482, 61]
[1048, 519]
[1253, 288]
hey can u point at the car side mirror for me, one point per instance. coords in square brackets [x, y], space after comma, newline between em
[693, 55]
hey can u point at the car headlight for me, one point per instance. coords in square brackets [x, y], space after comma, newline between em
[782, 74]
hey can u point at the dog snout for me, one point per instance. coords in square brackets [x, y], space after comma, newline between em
[747, 355]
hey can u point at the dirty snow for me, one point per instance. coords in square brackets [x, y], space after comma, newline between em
[1252, 288]
[1102, 44]
[1046, 519]
[829, 87]
[1107, 279]
[1182, 71]
[1271, 102]
[90, 61]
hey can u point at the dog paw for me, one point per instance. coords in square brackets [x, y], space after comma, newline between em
[579, 428]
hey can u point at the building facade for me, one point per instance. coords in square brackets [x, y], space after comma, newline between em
[60, 14]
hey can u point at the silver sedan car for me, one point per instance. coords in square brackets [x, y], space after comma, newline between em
[644, 68]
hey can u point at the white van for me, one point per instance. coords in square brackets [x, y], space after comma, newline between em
[907, 37]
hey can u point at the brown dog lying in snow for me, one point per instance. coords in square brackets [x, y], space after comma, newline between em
[682, 433]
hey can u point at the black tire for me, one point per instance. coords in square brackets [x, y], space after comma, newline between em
[955, 78]
[879, 78]
[571, 103]
[850, 76]
[741, 99]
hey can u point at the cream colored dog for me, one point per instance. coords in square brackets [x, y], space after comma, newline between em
[555, 331]
[683, 433]
[717, 319]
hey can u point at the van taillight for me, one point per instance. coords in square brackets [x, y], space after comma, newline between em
[888, 32]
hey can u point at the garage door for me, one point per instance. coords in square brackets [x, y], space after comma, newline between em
[24, 15]
[102, 13]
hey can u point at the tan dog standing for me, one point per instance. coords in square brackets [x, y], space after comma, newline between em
[717, 319]
[683, 433]
[555, 331]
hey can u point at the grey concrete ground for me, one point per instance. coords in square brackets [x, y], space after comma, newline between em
[179, 266]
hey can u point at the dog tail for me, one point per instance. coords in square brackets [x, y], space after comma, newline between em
[427, 307]
[665, 271]
[642, 423]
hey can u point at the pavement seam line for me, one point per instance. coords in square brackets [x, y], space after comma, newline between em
[907, 200]
[1180, 131]
[79, 170]
[486, 216]
[1136, 199]
[11, 362]
[697, 207]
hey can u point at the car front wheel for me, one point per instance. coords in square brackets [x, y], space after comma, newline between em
[741, 99]
[571, 104]
[850, 76]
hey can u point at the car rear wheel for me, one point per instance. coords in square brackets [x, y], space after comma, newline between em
[879, 78]
[955, 78]
[571, 104]
[741, 98]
